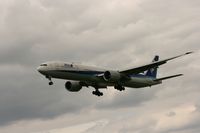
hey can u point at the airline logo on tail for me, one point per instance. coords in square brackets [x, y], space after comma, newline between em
[152, 72]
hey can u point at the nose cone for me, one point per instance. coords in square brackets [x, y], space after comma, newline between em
[39, 69]
[43, 70]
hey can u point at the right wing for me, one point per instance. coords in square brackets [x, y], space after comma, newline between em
[143, 68]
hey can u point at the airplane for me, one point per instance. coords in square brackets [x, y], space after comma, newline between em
[80, 76]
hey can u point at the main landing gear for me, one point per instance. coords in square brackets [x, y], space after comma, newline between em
[119, 87]
[50, 81]
[97, 92]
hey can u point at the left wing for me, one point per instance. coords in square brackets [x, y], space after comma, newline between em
[143, 68]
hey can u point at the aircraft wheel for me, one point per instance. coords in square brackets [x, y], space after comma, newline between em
[51, 83]
[97, 93]
[93, 93]
[120, 88]
[101, 94]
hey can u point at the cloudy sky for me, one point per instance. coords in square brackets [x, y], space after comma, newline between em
[114, 34]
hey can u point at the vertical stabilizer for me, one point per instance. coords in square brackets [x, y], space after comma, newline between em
[153, 71]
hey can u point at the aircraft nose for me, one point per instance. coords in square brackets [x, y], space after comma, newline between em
[42, 70]
[39, 69]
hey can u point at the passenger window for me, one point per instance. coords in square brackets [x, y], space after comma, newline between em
[68, 65]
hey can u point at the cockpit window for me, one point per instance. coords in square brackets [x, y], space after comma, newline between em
[43, 65]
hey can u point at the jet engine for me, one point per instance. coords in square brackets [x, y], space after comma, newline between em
[73, 86]
[112, 76]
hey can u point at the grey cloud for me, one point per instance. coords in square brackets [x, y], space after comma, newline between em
[107, 33]
[132, 98]
[191, 126]
[23, 99]
[171, 114]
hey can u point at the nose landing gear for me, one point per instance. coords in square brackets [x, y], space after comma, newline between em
[50, 81]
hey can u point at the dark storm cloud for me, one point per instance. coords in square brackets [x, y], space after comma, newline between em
[111, 34]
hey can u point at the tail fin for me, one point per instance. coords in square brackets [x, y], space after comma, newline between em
[153, 71]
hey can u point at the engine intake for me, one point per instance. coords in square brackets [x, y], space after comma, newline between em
[112, 76]
[73, 86]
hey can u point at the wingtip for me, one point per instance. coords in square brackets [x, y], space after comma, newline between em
[189, 52]
[181, 74]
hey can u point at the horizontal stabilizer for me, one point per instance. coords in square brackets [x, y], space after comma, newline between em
[169, 77]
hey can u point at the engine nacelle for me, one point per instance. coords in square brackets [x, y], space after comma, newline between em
[73, 86]
[112, 76]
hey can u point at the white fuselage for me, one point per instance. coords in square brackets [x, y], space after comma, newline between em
[85, 76]
[90, 75]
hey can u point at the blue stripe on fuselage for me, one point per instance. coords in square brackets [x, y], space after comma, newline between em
[81, 72]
